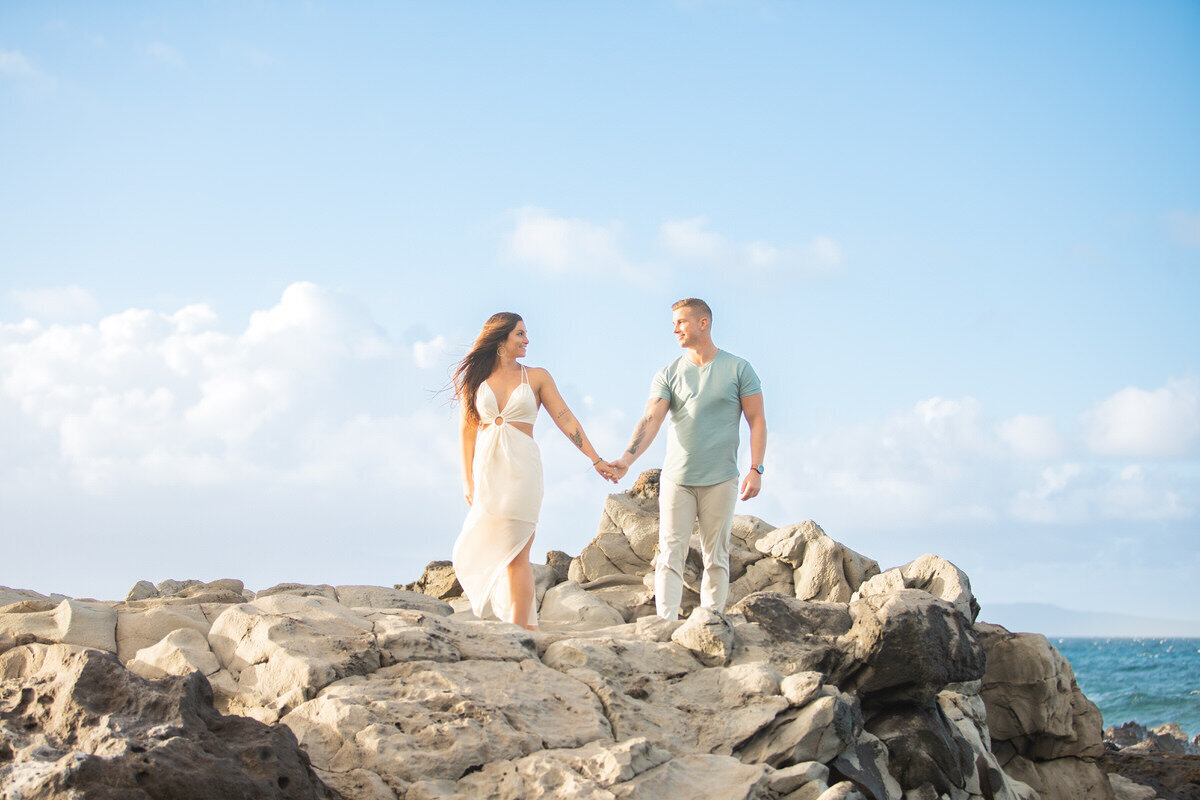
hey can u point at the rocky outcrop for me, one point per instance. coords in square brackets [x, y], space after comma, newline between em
[825, 679]
[75, 723]
[1044, 731]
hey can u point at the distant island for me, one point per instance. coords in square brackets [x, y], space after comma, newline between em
[1054, 621]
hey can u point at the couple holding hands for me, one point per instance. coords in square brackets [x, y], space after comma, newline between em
[707, 391]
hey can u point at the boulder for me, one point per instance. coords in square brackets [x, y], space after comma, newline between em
[865, 764]
[824, 569]
[1125, 789]
[802, 688]
[907, 646]
[159, 738]
[1034, 706]
[282, 649]
[560, 562]
[438, 580]
[568, 605]
[178, 653]
[418, 721]
[787, 618]
[818, 731]
[923, 747]
[383, 597]
[591, 772]
[706, 711]
[929, 573]
[141, 628]
[708, 635]
[142, 590]
[1067, 778]
[299, 590]
[78, 622]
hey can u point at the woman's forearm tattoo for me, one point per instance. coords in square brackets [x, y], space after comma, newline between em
[576, 436]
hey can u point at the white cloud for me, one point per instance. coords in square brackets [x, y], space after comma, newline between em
[1135, 423]
[1185, 227]
[562, 245]
[691, 240]
[145, 397]
[59, 304]
[1031, 437]
[166, 54]
[945, 462]
[427, 355]
[14, 64]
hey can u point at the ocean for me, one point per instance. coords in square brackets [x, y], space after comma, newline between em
[1150, 681]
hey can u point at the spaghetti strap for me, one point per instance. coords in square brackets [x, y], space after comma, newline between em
[524, 375]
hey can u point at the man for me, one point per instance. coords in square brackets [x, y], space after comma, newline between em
[707, 391]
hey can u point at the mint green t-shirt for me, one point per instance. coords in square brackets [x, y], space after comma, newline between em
[706, 409]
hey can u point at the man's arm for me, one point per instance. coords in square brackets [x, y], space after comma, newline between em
[647, 428]
[752, 407]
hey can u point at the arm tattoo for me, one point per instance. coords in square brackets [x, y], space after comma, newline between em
[576, 437]
[638, 435]
[562, 413]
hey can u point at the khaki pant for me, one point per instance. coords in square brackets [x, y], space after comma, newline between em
[679, 507]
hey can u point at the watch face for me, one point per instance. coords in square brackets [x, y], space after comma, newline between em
[759, 469]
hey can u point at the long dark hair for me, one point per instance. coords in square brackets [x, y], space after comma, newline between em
[478, 364]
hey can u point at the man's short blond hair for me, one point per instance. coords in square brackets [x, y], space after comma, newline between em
[696, 303]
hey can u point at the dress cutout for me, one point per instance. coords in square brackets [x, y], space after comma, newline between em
[507, 471]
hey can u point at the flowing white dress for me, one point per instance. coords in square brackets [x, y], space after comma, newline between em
[508, 497]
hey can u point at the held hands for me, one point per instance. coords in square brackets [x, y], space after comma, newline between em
[618, 468]
[606, 471]
[751, 485]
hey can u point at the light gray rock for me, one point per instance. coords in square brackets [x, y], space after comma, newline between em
[708, 635]
[1125, 789]
[842, 791]
[141, 628]
[171, 586]
[590, 772]
[299, 590]
[819, 731]
[383, 597]
[1033, 702]
[78, 622]
[791, 778]
[8, 596]
[568, 605]
[802, 688]
[282, 649]
[178, 653]
[1062, 778]
[699, 777]
[142, 590]
[418, 721]
[824, 569]
[931, 574]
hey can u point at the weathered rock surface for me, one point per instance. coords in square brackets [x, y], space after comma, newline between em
[1044, 731]
[75, 724]
[824, 680]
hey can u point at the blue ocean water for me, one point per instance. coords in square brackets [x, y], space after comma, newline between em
[1150, 681]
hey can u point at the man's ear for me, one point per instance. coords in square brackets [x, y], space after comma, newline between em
[705, 323]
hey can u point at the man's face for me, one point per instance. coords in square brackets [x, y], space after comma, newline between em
[688, 326]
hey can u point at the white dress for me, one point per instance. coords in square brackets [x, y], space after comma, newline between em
[508, 496]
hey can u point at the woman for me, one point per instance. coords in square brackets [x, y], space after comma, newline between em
[502, 467]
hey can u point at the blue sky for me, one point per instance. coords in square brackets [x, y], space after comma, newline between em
[960, 244]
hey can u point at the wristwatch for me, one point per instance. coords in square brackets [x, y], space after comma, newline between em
[758, 468]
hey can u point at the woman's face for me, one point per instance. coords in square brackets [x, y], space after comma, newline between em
[517, 341]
